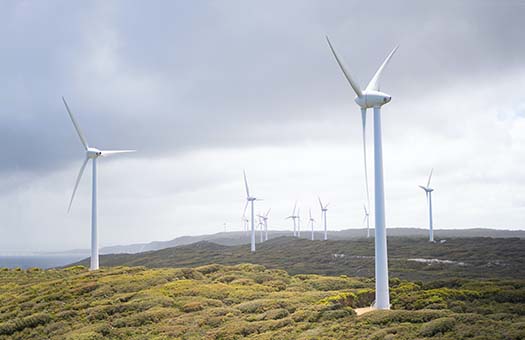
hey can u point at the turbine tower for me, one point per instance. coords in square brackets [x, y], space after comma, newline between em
[265, 222]
[324, 209]
[250, 200]
[293, 216]
[93, 154]
[367, 220]
[312, 221]
[372, 97]
[428, 192]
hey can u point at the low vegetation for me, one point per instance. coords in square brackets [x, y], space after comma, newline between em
[409, 258]
[249, 301]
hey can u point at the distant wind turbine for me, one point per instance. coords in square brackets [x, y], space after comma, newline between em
[324, 209]
[244, 222]
[250, 200]
[93, 154]
[298, 223]
[312, 221]
[265, 221]
[372, 97]
[293, 217]
[261, 227]
[428, 192]
[367, 220]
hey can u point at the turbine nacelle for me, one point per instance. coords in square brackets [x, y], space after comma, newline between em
[93, 153]
[371, 99]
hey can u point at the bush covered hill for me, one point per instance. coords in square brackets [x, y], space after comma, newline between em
[235, 238]
[409, 258]
[249, 301]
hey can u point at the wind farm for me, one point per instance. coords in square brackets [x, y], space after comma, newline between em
[284, 150]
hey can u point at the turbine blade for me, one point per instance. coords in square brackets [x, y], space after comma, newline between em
[294, 207]
[268, 212]
[246, 184]
[363, 121]
[105, 153]
[354, 85]
[310, 213]
[422, 187]
[320, 203]
[244, 211]
[76, 183]
[430, 177]
[77, 127]
[366, 211]
[374, 83]
[364, 220]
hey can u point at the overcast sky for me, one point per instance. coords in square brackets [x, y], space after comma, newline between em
[205, 89]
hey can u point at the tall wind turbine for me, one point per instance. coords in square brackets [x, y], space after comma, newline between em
[372, 97]
[312, 221]
[250, 200]
[428, 192]
[324, 209]
[93, 154]
[293, 216]
[367, 220]
[265, 222]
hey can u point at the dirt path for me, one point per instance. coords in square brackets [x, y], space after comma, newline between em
[361, 311]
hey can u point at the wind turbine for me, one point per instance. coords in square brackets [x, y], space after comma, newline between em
[244, 222]
[372, 97]
[324, 209]
[294, 217]
[265, 221]
[367, 220]
[298, 223]
[312, 221]
[261, 226]
[93, 154]
[428, 192]
[250, 200]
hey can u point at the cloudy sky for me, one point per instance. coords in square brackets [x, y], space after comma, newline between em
[205, 89]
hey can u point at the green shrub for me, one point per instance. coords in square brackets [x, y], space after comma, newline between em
[437, 326]
[17, 325]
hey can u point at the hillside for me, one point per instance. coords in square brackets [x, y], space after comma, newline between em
[238, 238]
[409, 258]
[248, 301]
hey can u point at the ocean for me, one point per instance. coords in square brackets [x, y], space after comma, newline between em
[39, 261]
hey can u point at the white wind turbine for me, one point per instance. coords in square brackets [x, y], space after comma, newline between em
[260, 225]
[312, 221]
[93, 154]
[265, 222]
[250, 200]
[372, 97]
[244, 222]
[298, 222]
[428, 192]
[293, 216]
[367, 220]
[324, 209]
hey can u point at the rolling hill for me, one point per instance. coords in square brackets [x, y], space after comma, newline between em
[238, 238]
[409, 258]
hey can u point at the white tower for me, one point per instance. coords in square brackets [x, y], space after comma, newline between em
[372, 97]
